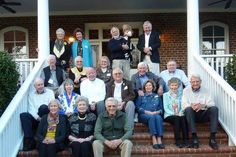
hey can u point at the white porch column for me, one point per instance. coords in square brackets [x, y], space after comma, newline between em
[43, 29]
[193, 32]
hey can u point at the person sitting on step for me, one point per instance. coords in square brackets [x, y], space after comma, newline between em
[149, 108]
[37, 107]
[173, 112]
[198, 106]
[51, 132]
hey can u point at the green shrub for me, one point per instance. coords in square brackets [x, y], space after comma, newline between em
[230, 72]
[8, 80]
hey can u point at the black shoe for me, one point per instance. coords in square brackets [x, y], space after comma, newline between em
[179, 144]
[158, 146]
[213, 144]
[29, 144]
[195, 143]
[186, 144]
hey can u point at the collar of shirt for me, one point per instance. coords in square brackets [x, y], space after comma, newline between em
[196, 90]
[36, 92]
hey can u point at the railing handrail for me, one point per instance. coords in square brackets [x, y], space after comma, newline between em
[11, 115]
[224, 85]
[15, 101]
[215, 56]
[25, 59]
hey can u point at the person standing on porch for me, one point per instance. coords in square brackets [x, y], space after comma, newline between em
[82, 47]
[61, 49]
[148, 44]
[118, 47]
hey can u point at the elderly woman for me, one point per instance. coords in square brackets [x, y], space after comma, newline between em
[149, 109]
[67, 98]
[61, 49]
[104, 70]
[82, 47]
[77, 74]
[174, 113]
[51, 131]
[82, 128]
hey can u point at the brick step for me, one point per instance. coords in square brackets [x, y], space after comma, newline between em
[145, 138]
[148, 151]
[139, 127]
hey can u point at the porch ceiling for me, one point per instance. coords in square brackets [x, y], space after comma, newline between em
[75, 7]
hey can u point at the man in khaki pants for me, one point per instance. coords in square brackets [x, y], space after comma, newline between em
[112, 130]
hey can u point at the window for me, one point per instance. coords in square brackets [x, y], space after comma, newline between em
[214, 38]
[14, 40]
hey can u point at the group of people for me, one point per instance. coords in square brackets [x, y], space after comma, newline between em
[90, 109]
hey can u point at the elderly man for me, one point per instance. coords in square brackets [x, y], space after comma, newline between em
[143, 75]
[122, 90]
[37, 107]
[199, 107]
[95, 90]
[53, 75]
[78, 73]
[61, 49]
[148, 44]
[118, 47]
[172, 71]
[112, 130]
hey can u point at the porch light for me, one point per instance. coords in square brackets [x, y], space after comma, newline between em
[71, 39]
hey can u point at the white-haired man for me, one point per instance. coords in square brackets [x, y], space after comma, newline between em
[37, 107]
[95, 90]
[122, 90]
[112, 130]
[118, 47]
[53, 75]
[198, 106]
[171, 72]
[148, 44]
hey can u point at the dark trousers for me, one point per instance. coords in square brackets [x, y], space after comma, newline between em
[48, 150]
[83, 149]
[179, 124]
[29, 124]
[211, 114]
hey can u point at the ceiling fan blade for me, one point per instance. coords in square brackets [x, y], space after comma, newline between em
[228, 4]
[216, 2]
[12, 3]
[9, 9]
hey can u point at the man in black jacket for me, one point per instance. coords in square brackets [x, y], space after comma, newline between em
[53, 75]
[148, 44]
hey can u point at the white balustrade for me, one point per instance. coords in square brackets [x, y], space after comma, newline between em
[218, 62]
[24, 67]
[11, 135]
[223, 94]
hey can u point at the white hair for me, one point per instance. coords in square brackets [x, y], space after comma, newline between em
[147, 23]
[60, 31]
[142, 64]
[196, 76]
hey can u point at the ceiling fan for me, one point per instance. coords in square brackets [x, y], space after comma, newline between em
[6, 5]
[227, 5]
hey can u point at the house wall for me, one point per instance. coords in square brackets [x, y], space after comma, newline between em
[172, 27]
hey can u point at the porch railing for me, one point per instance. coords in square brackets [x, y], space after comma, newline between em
[224, 96]
[10, 129]
[218, 62]
[24, 67]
